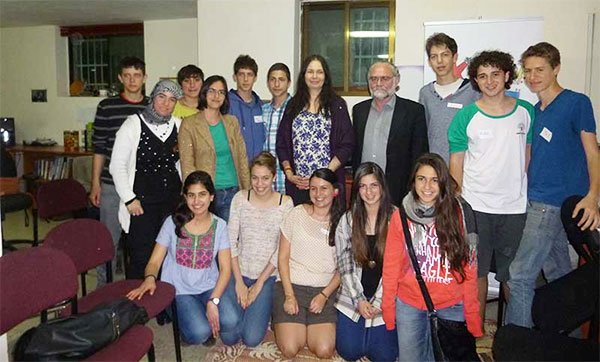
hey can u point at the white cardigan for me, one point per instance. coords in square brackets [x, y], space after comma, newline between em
[123, 160]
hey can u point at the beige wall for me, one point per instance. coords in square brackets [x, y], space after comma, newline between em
[264, 29]
[35, 58]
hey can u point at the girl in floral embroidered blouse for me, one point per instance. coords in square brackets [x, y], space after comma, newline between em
[189, 243]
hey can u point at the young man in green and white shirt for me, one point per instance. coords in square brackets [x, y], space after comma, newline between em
[490, 147]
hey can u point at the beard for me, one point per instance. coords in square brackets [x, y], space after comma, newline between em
[381, 93]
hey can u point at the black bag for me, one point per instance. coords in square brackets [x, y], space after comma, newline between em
[79, 336]
[451, 340]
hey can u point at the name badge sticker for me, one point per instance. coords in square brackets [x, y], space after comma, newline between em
[258, 119]
[454, 105]
[486, 134]
[546, 134]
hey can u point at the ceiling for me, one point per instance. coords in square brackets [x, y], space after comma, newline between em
[88, 12]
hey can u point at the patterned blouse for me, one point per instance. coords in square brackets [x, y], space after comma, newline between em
[310, 140]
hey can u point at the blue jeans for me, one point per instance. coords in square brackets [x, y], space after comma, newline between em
[353, 340]
[193, 324]
[255, 319]
[109, 216]
[414, 331]
[222, 201]
[544, 246]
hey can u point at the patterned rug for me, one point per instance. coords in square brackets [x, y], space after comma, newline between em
[268, 351]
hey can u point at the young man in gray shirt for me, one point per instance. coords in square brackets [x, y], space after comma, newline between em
[446, 95]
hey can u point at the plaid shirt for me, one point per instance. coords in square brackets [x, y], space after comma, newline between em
[351, 290]
[271, 118]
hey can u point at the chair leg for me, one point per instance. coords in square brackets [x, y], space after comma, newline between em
[176, 337]
[34, 216]
[44, 316]
[150, 354]
[83, 285]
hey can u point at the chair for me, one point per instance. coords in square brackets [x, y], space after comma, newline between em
[32, 280]
[12, 200]
[61, 197]
[89, 244]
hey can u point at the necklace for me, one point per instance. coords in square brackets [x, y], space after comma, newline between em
[372, 263]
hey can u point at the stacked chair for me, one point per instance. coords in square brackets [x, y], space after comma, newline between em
[35, 279]
[561, 307]
[88, 243]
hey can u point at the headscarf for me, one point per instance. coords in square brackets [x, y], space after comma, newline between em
[163, 86]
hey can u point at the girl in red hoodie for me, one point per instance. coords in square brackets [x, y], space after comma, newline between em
[444, 237]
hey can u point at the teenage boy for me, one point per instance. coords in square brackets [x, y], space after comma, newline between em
[489, 152]
[446, 95]
[564, 161]
[110, 115]
[278, 82]
[246, 105]
[190, 78]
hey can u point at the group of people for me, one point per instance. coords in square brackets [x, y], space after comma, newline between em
[241, 205]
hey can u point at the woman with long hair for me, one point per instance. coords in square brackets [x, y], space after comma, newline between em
[303, 311]
[360, 242]
[144, 166]
[315, 131]
[256, 215]
[211, 141]
[443, 232]
[188, 247]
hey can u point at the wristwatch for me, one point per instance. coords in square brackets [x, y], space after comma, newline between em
[216, 301]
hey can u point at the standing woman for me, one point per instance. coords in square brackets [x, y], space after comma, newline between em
[444, 236]
[189, 243]
[360, 241]
[144, 166]
[303, 311]
[211, 141]
[315, 131]
[254, 222]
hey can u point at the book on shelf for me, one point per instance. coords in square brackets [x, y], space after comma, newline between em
[56, 168]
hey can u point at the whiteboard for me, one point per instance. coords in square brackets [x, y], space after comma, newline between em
[472, 36]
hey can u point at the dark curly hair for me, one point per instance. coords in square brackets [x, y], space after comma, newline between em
[494, 58]
[202, 104]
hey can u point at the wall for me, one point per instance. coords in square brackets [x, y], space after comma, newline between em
[35, 58]
[264, 29]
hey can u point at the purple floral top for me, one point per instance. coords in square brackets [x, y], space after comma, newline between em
[310, 140]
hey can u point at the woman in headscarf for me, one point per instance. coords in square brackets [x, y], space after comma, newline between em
[145, 168]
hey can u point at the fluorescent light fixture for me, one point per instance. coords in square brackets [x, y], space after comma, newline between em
[369, 34]
[382, 56]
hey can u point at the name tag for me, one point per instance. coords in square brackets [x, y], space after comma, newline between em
[454, 105]
[258, 119]
[546, 134]
[486, 134]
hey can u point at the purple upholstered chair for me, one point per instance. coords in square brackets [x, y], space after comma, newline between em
[89, 244]
[32, 280]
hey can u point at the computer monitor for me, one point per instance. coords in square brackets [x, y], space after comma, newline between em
[7, 131]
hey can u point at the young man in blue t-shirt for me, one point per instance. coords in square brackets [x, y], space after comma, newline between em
[564, 161]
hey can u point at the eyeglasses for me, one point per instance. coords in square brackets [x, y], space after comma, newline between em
[216, 92]
[384, 79]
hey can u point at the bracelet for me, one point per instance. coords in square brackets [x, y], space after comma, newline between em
[150, 275]
[325, 295]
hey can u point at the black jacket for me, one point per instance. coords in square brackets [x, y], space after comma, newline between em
[406, 142]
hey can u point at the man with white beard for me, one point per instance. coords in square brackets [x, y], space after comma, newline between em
[390, 130]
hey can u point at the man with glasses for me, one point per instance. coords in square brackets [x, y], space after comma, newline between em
[398, 121]
[443, 97]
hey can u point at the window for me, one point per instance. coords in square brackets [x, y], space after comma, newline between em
[95, 53]
[350, 35]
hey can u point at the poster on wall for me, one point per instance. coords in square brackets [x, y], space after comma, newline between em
[472, 36]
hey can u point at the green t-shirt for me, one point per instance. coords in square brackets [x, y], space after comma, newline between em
[225, 175]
